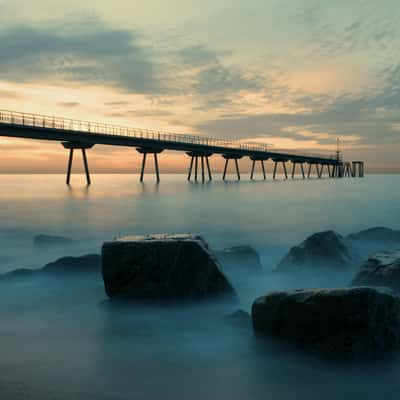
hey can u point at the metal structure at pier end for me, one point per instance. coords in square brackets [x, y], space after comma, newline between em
[83, 135]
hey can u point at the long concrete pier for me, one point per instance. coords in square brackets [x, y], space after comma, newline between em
[83, 135]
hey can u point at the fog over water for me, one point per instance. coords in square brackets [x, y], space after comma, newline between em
[62, 339]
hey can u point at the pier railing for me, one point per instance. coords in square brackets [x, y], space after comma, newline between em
[52, 122]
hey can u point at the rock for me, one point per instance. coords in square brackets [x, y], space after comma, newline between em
[340, 323]
[73, 265]
[323, 249]
[49, 240]
[381, 269]
[239, 318]
[20, 273]
[242, 257]
[90, 263]
[376, 234]
[164, 266]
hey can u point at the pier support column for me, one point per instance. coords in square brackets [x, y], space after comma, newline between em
[261, 160]
[82, 146]
[252, 169]
[276, 161]
[263, 169]
[208, 169]
[190, 168]
[358, 169]
[71, 156]
[319, 170]
[155, 152]
[203, 163]
[237, 169]
[231, 157]
[294, 163]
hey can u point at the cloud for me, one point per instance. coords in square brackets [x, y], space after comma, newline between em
[361, 120]
[8, 93]
[217, 78]
[70, 104]
[197, 56]
[95, 55]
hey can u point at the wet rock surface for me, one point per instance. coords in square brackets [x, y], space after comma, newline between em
[166, 266]
[381, 269]
[338, 323]
[324, 249]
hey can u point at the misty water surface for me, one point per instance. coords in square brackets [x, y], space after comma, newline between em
[61, 339]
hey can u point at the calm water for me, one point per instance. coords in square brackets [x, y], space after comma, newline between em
[61, 340]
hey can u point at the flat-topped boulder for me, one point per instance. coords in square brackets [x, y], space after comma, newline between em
[339, 323]
[323, 249]
[162, 266]
[376, 234]
[381, 269]
[51, 241]
[243, 257]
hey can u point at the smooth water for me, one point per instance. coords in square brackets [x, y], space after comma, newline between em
[62, 340]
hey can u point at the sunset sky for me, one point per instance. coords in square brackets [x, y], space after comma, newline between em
[294, 73]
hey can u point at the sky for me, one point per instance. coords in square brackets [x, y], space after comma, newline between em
[295, 74]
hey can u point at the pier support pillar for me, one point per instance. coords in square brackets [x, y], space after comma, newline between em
[155, 152]
[276, 161]
[294, 163]
[204, 162]
[261, 160]
[83, 147]
[310, 164]
[231, 157]
[358, 169]
[320, 169]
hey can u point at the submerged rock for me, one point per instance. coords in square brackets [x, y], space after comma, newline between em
[50, 240]
[90, 263]
[323, 249]
[165, 266]
[342, 323]
[239, 318]
[243, 257]
[376, 234]
[73, 265]
[381, 269]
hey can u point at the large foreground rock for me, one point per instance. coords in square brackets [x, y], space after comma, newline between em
[323, 249]
[156, 267]
[342, 323]
[381, 269]
[243, 258]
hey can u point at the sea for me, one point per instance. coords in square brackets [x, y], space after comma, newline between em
[63, 340]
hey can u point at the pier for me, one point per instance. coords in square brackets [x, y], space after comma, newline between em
[83, 135]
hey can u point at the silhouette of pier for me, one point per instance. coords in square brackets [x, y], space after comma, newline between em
[83, 135]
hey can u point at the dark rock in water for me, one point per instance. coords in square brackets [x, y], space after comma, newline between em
[49, 241]
[244, 257]
[90, 263]
[73, 265]
[339, 323]
[240, 318]
[323, 249]
[20, 273]
[156, 267]
[376, 234]
[381, 269]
